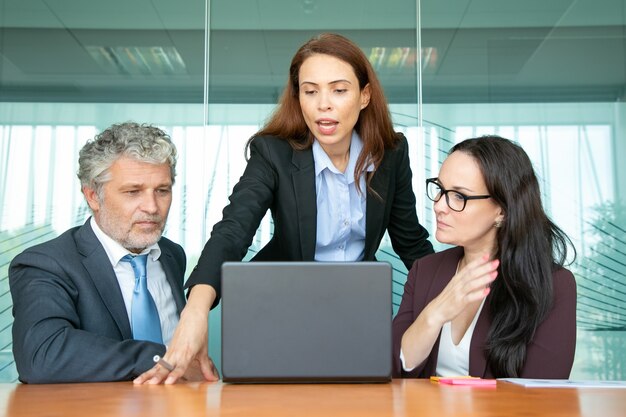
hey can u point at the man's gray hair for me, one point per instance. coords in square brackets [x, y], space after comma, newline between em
[141, 142]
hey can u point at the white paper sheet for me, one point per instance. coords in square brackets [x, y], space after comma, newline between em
[564, 383]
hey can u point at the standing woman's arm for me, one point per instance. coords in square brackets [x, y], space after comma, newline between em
[231, 237]
[408, 237]
[229, 241]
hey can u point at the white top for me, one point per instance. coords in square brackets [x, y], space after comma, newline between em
[453, 360]
[158, 286]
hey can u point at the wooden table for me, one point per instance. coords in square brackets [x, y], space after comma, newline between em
[399, 398]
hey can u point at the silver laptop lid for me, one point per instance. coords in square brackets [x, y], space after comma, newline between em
[306, 322]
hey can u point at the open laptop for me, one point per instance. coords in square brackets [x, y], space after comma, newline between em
[306, 322]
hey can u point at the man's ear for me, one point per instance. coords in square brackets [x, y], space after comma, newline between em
[92, 198]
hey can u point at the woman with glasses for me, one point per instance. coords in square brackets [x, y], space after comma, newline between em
[499, 303]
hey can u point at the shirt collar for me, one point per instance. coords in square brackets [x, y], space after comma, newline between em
[115, 251]
[322, 161]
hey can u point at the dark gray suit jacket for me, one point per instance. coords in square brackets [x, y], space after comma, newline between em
[282, 180]
[71, 324]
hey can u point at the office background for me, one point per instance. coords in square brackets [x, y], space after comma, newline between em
[548, 74]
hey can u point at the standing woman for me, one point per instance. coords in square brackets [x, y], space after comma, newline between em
[500, 303]
[333, 173]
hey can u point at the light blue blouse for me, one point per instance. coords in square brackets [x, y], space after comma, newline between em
[340, 208]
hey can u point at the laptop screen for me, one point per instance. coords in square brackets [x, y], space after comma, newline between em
[306, 322]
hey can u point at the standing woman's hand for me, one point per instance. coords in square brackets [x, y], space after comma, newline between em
[187, 352]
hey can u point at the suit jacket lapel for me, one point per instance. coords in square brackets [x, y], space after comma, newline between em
[375, 209]
[304, 190]
[477, 359]
[444, 273]
[101, 273]
[168, 264]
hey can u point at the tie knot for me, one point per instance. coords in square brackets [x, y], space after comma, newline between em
[138, 263]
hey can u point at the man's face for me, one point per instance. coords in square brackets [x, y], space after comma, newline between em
[134, 204]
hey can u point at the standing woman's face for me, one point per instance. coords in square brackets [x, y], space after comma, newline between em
[331, 100]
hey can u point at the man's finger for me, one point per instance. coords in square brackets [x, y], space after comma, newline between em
[155, 375]
[149, 374]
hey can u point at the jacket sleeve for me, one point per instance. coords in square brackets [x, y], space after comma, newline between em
[49, 345]
[231, 237]
[551, 353]
[409, 238]
[410, 308]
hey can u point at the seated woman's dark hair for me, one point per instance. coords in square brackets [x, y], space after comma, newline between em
[529, 246]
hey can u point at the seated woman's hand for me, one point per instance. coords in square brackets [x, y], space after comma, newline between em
[470, 284]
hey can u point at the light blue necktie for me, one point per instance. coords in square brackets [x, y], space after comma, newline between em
[144, 316]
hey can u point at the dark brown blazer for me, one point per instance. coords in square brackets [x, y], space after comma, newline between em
[281, 179]
[549, 355]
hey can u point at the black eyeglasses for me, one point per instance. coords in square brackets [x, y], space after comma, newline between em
[455, 200]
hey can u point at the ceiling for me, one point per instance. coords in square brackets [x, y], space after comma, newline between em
[153, 50]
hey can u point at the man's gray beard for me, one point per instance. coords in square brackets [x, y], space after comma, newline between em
[137, 244]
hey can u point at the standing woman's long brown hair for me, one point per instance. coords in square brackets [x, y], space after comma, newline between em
[374, 125]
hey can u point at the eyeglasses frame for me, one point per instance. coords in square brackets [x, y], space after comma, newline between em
[435, 180]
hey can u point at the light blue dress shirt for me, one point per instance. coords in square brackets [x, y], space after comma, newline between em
[340, 208]
[158, 285]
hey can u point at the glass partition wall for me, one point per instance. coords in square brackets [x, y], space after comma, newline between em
[549, 75]
[69, 69]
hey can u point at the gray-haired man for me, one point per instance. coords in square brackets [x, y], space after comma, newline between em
[100, 301]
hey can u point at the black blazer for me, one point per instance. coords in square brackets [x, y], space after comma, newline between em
[71, 324]
[282, 180]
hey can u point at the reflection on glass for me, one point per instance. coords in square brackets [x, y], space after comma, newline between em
[138, 60]
[600, 355]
